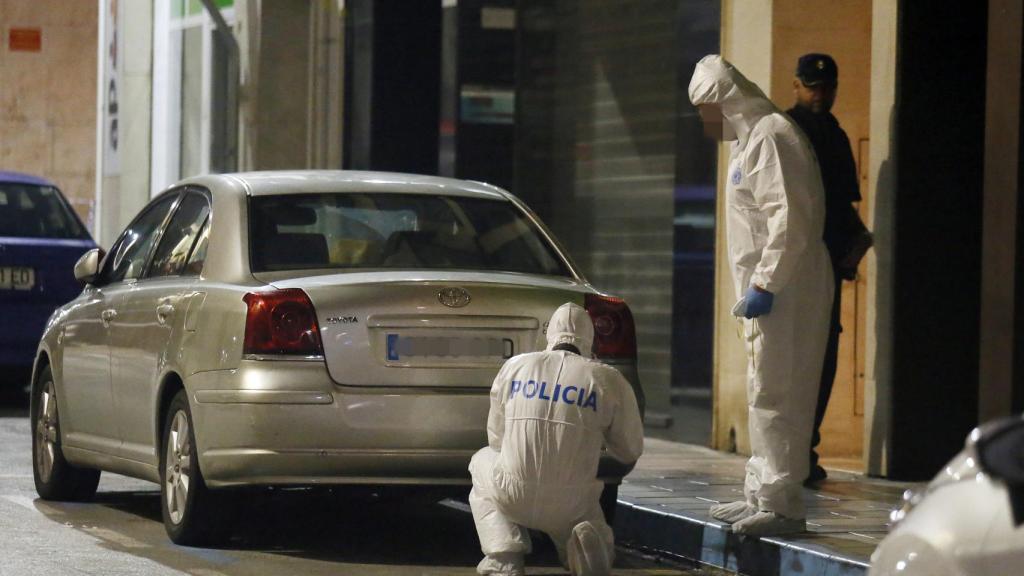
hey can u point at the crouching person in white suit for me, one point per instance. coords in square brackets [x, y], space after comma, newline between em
[551, 412]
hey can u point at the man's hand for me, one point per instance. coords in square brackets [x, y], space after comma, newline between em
[759, 302]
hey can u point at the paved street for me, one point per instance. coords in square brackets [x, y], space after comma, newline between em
[281, 532]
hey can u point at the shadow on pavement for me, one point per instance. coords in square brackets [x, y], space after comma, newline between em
[326, 524]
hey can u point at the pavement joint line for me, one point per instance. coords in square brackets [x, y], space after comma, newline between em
[456, 505]
[115, 537]
[862, 535]
[842, 515]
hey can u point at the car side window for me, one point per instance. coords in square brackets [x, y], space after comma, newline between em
[129, 254]
[179, 236]
[198, 256]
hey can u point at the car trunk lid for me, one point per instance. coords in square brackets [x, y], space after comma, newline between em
[428, 329]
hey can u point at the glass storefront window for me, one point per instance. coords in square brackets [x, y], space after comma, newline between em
[188, 99]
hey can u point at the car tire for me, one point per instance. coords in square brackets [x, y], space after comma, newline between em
[609, 502]
[55, 478]
[193, 514]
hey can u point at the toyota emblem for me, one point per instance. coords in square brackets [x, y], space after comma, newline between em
[453, 297]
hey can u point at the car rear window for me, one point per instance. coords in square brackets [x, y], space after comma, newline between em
[32, 211]
[411, 231]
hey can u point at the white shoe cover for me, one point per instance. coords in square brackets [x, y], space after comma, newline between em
[504, 564]
[769, 524]
[588, 555]
[732, 512]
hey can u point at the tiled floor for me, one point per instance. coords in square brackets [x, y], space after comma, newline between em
[846, 517]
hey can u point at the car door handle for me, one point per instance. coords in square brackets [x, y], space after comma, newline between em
[163, 311]
[108, 315]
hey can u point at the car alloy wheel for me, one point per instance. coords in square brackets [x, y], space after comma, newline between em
[54, 477]
[193, 514]
[178, 472]
[46, 432]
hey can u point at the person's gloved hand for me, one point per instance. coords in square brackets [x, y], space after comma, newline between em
[759, 302]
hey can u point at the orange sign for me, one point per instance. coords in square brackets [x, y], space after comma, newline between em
[26, 40]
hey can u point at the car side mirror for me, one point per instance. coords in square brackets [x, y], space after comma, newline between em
[88, 266]
[1001, 455]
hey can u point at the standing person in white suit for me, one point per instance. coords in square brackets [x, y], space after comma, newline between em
[775, 217]
[551, 412]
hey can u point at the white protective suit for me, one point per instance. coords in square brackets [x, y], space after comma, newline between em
[551, 412]
[775, 215]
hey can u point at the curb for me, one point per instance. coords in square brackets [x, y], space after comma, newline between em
[713, 544]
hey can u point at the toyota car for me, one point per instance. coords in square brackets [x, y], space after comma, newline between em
[299, 329]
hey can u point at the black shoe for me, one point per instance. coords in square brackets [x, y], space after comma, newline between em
[816, 476]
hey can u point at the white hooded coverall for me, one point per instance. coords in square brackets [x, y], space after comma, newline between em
[775, 218]
[550, 414]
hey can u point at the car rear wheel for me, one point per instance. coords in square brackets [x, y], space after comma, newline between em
[55, 478]
[193, 514]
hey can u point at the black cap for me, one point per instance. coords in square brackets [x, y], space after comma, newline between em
[814, 69]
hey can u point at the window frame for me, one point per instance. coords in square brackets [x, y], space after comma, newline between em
[177, 193]
[204, 229]
[184, 191]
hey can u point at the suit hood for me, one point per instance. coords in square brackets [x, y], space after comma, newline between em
[571, 324]
[716, 81]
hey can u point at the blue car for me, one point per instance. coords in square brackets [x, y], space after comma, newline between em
[41, 238]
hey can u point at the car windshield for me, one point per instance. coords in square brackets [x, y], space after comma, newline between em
[378, 230]
[32, 211]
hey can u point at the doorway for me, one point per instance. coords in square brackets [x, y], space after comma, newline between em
[843, 30]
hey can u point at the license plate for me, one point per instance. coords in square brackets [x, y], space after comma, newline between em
[405, 347]
[17, 278]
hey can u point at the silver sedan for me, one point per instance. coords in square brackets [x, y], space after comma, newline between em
[299, 328]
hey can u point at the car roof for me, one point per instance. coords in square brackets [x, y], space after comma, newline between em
[324, 181]
[22, 178]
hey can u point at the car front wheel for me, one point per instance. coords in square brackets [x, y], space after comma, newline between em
[193, 514]
[55, 478]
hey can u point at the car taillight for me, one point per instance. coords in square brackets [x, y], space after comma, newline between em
[281, 322]
[614, 332]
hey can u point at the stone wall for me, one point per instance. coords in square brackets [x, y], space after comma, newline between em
[48, 96]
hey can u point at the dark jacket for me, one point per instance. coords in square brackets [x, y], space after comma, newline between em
[838, 173]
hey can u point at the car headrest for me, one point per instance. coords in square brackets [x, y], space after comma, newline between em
[296, 250]
[293, 216]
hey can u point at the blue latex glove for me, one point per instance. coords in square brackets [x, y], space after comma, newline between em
[759, 302]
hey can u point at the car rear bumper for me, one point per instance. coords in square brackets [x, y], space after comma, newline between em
[287, 423]
[18, 354]
[21, 326]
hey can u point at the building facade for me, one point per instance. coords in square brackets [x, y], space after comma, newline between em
[580, 108]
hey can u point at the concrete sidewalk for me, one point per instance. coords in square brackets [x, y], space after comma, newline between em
[664, 502]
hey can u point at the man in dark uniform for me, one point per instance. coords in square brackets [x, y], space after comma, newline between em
[817, 79]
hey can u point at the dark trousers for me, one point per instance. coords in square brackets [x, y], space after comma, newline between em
[828, 370]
